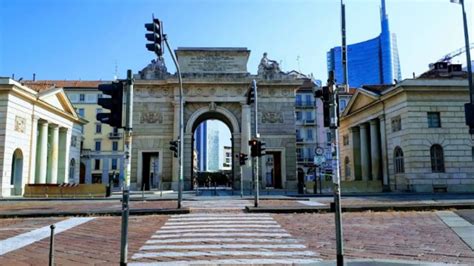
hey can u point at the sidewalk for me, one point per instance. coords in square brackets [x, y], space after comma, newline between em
[151, 203]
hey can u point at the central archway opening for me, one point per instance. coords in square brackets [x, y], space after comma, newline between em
[212, 151]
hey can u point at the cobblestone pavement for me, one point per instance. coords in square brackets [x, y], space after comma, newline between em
[384, 235]
[221, 232]
[81, 205]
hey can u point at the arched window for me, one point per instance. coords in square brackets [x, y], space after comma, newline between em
[347, 167]
[398, 157]
[437, 159]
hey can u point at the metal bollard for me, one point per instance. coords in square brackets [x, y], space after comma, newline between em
[51, 246]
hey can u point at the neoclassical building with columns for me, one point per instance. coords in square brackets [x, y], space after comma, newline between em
[39, 142]
[410, 136]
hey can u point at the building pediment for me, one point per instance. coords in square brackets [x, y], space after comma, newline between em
[56, 98]
[361, 99]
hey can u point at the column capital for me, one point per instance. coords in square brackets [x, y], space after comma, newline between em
[373, 122]
[381, 117]
[354, 129]
[43, 121]
[55, 126]
[64, 129]
[363, 126]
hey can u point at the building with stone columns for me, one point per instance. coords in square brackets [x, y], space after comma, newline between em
[39, 137]
[215, 82]
[410, 136]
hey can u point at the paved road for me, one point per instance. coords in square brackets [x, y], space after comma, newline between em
[219, 231]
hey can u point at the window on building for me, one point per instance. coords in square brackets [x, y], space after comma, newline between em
[97, 164]
[115, 145]
[308, 100]
[73, 141]
[98, 110]
[396, 124]
[97, 145]
[309, 134]
[299, 116]
[98, 128]
[434, 119]
[398, 157]
[345, 140]
[309, 115]
[347, 167]
[299, 153]
[329, 137]
[82, 97]
[81, 112]
[299, 100]
[342, 104]
[437, 159]
[298, 134]
[114, 164]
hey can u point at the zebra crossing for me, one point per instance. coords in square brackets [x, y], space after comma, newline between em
[216, 204]
[222, 238]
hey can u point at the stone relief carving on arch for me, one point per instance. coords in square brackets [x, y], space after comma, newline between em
[149, 115]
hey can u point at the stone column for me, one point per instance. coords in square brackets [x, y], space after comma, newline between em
[244, 144]
[33, 148]
[364, 152]
[63, 156]
[105, 170]
[53, 154]
[88, 177]
[375, 149]
[355, 162]
[383, 143]
[42, 161]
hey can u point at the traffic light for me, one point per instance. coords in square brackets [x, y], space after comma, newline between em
[242, 158]
[469, 113]
[250, 95]
[261, 148]
[325, 95]
[253, 147]
[114, 103]
[174, 148]
[155, 36]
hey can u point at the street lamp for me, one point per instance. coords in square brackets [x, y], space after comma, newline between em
[468, 107]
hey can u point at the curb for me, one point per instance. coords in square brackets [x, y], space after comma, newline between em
[94, 213]
[355, 208]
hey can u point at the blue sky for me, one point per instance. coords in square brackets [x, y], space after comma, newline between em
[95, 39]
[87, 39]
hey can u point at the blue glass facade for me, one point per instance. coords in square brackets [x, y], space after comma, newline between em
[370, 62]
[201, 145]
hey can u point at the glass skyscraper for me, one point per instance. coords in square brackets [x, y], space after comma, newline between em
[374, 61]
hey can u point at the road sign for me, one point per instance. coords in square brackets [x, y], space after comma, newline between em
[318, 160]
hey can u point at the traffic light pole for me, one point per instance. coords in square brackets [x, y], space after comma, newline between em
[336, 173]
[181, 128]
[255, 159]
[126, 181]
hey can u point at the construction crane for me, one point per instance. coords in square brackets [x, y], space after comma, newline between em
[447, 58]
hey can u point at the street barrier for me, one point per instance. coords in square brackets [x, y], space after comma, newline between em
[66, 190]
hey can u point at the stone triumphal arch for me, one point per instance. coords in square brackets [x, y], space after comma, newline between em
[215, 81]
